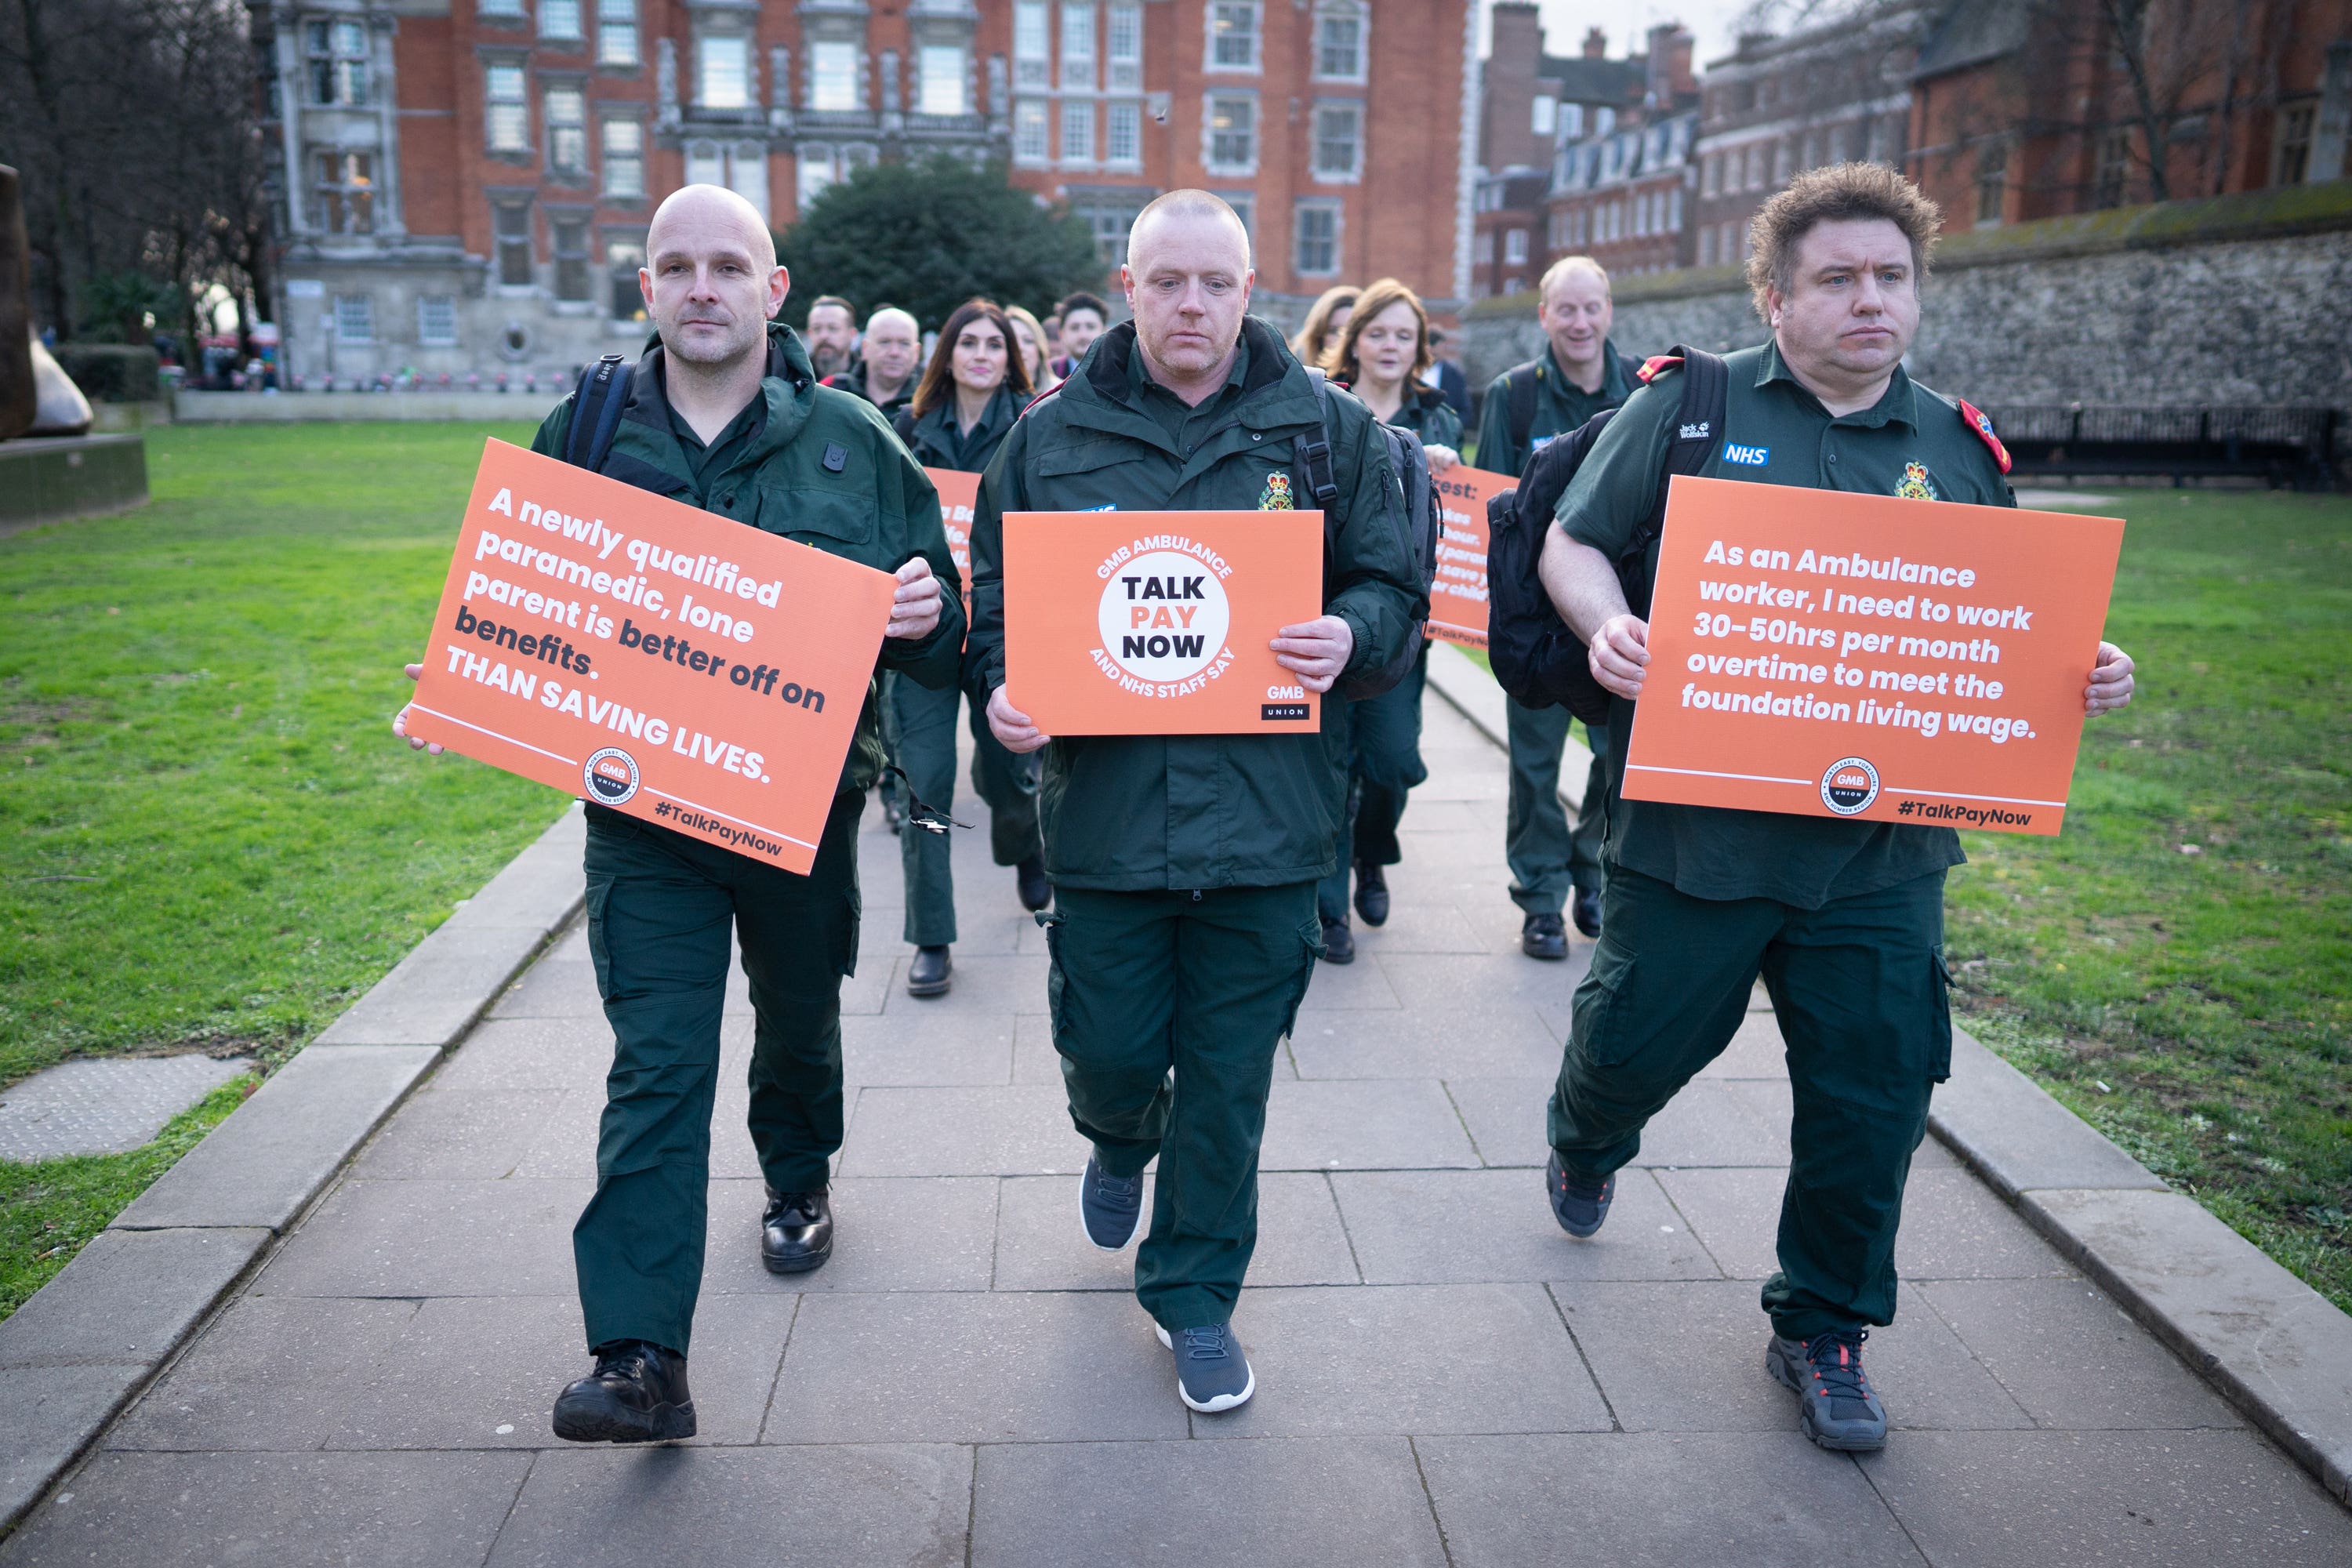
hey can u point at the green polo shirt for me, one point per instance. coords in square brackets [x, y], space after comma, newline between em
[1561, 406]
[1188, 424]
[704, 462]
[1912, 442]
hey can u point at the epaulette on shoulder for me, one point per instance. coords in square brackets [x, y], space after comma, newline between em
[1983, 427]
[1657, 366]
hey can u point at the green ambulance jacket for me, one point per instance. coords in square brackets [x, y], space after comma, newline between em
[1427, 416]
[1127, 813]
[818, 467]
[1912, 443]
[1561, 406]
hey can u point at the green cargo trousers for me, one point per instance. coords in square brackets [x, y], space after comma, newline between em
[1207, 985]
[923, 741]
[660, 908]
[1384, 742]
[1859, 989]
[1546, 855]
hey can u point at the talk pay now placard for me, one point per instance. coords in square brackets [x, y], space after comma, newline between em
[650, 657]
[1144, 623]
[1827, 654]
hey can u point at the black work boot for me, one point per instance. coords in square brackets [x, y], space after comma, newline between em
[1586, 907]
[1036, 891]
[1543, 936]
[1338, 942]
[636, 1394]
[1836, 1406]
[796, 1233]
[931, 973]
[1371, 893]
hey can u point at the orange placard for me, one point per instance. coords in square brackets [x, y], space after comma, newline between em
[1156, 623]
[1457, 595]
[1891, 661]
[959, 493]
[670, 664]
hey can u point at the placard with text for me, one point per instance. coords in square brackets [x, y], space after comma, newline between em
[1158, 623]
[1827, 654]
[959, 494]
[1457, 595]
[650, 657]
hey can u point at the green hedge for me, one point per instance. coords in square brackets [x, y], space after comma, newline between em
[111, 373]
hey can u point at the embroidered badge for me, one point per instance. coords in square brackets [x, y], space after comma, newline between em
[1278, 494]
[1916, 485]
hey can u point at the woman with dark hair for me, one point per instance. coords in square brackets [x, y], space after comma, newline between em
[962, 410]
[1379, 355]
[1326, 320]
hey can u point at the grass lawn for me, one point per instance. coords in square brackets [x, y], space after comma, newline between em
[2176, 966]
[209, 838]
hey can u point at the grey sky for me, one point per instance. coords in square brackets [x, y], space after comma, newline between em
[1715, 23]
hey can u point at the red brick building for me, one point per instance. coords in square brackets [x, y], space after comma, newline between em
[467, 183]
[1620, 192]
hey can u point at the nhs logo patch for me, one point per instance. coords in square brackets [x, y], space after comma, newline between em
[1748, 457]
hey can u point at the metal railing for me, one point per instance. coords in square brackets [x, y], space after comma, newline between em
[2282, 445]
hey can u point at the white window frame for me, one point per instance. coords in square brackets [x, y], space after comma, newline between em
[572, 99]
[618, 43]
[1354, 170]
[1245, 205]
[502, 112]
[327, 42]
[1514, 248]
[747, 174]
[706, 79]
[500, 242]
[838, 51]
[1122, 143]
[1033, 45]
[1032, 132]
[1300, 211]
[345, 189]
[943, 79]
[1077, 115]
[502, 10]
[552, 14]
[1543, 116]
[1122, 47]
[1209, 160]
[1254, 38]
[354, 311]
[624, 157]
[1079, 44]
[1342, 11]
[814, 172]
[430, 333]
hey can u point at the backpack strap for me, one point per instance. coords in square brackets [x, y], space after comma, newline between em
[1983, 427]
[1523, 381]
[1314, 451]
[1698, 428]
[596, 404]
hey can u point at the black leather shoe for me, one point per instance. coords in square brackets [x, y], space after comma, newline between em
[1036, 891]
[1371, 893]
[796, 1233]
[636, 1394]
[930, 972]
[1543, 936]
[1338, 942]
[1586, 908]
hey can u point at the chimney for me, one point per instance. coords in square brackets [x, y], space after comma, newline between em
[1596, 45]
[1670, 76]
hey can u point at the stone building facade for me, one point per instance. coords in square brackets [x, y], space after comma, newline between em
[466, 183]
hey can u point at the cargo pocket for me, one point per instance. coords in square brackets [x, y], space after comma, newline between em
[1939, 1035]
[599, 893]
[1604, 1034]
[845, 961]
[1310, 935]
[1051, 922]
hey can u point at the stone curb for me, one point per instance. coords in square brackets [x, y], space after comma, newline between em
[87, 1342]
[1455, 676]
[2277, 1349]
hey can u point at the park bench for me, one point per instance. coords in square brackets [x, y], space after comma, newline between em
[2280, 444]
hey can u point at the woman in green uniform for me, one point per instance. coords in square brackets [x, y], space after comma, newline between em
[1379, 355]
[962, 410]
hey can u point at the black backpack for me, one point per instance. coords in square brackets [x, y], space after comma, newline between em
[1536, 658]
[596, 404]
[1520, 384]
[1418, 507]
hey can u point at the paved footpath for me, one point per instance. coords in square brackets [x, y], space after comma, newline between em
[1443, 1377]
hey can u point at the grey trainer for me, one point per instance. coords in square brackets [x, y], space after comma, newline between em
[1110, 1206]
[1212, 1372]
[1836, 1406]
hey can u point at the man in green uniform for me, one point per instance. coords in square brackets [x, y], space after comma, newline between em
[1184, 867]
[1579, 374]
[724, 414]
[1844, 920]
[887, 356]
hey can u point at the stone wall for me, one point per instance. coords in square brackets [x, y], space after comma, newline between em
[2233, 300]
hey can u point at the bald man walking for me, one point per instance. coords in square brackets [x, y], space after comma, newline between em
[724, 413]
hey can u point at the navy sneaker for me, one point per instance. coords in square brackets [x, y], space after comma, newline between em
[1837, 1409]
[1579, 1206]
[1110, 1207]
[1213, 1373]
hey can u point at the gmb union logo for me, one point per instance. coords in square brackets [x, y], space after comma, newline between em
[1163, 616]
[611, 775]
[1849, 786]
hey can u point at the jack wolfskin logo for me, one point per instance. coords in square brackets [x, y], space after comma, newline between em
[1916, 485]
[1750, 457]
[1278, 494]
[1694, 432]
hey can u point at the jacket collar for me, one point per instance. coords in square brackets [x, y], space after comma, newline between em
[1898, 404]
[1275, 391]
[645, 451]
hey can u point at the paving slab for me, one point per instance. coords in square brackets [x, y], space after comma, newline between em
[1507, 1040]
[105, 1105]
[966, 1047]
[433, 996]
[1020, 1130]
[1407, 1358]
[896, 1233]
[2020, 1139]
[509, 1237]
[2072, 1357]
[1350, 987]
[1041, 1244]
[900, 1506]
[2132, 1500]
[53, 1414]
[530, 1053]
[270, 1372]
[277, 1149]
[129, 1296]
[1363, 1124]
[1000, 1367]
[553, 988]
[462, 1132]
[289, 1510]
[1458, 1227]
[1656, 1500]
[1336, 1503]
